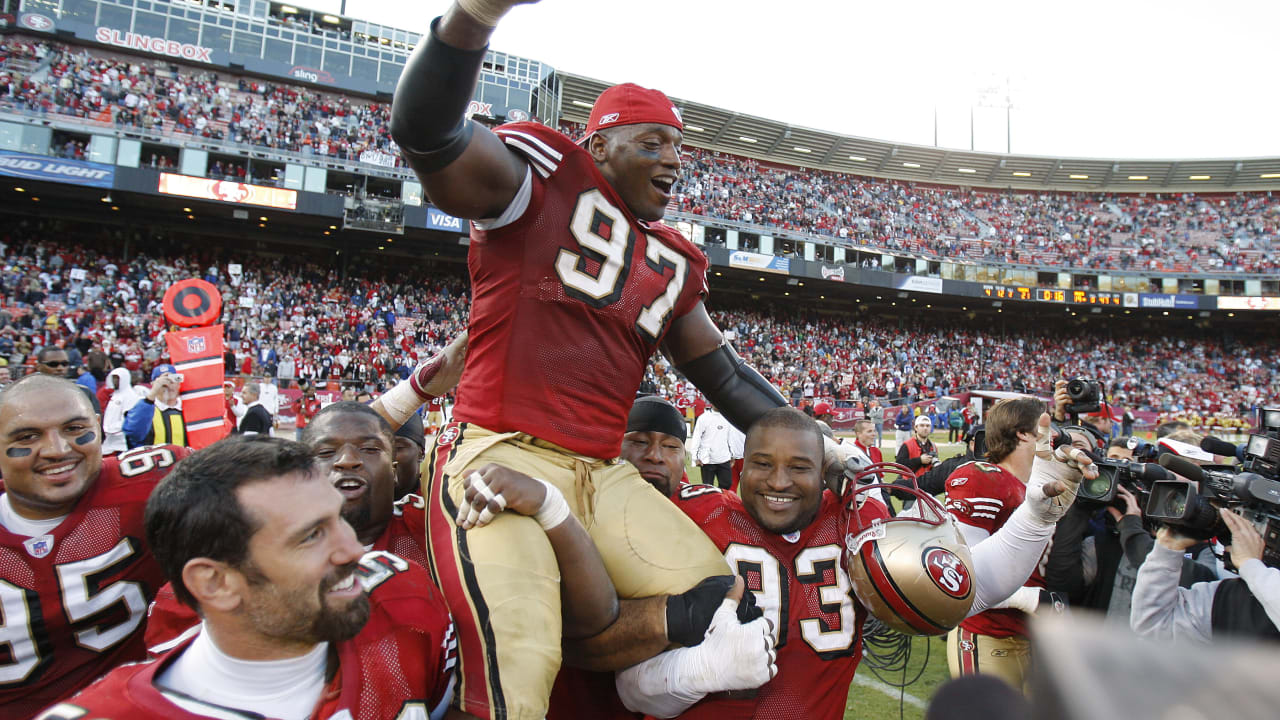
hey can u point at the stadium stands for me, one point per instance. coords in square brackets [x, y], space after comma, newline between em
[305, 323]
[1177, 233]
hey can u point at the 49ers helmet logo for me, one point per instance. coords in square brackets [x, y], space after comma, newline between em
[947, 572]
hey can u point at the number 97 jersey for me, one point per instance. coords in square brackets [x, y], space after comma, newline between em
[802, 587]
[569, 300]
[74, 599]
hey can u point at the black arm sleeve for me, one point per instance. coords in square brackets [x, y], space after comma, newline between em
[1134, 539]
[735, 388]
[431, 98]
[1064, 570]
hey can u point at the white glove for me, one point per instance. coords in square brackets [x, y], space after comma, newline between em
[1067, 468]
[731, 656]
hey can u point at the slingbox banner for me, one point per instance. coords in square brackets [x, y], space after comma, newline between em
[197, 354]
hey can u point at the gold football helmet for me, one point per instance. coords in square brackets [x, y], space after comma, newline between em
[914, 571]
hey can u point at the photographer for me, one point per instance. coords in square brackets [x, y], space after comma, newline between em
[1248, 606]
[934, 480]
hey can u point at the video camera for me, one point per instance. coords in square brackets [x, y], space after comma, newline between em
[1192, 507]
[1136, 477]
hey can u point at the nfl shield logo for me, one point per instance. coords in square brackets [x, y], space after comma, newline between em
[39, 547]
[195, 344]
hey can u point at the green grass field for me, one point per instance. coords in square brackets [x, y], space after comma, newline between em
[873, 697]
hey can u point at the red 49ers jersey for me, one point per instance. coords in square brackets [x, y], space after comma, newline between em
[169, 622]
[73, 600]
[802, 588]
[568, 303]
[400, 665]
[985, 495]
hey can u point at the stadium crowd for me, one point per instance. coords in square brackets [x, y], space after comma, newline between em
[1171, 232]
[299, 322]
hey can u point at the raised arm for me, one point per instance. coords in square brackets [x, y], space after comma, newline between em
[465, 170]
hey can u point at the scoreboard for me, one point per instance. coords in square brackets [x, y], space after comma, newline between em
[1053, 295]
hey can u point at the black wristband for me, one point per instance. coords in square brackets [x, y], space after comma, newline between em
[427, 115]
[689, 613]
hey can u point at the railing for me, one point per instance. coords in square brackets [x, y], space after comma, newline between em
[170, 136]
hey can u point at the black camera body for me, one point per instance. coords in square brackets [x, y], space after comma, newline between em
[1192, 507]
[1136, 477]
[1085, 395]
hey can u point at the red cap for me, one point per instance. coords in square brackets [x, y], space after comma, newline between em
[822, 409]
[630, 104]
[1105, 411]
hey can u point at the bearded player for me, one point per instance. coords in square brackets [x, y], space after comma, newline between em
[76, 576]
[575, 284]
[786, 536]
[353, 450]
[982, 495]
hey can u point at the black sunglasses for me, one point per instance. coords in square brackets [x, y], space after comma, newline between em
[57, 363]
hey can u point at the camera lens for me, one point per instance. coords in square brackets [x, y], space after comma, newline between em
[1097, 487]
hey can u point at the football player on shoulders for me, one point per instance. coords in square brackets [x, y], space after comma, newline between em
[299, 622]
[575, 285]
[77, 581]
[982, 496]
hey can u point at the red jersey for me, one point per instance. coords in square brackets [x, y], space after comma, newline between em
[73, 600]
[800, 583]
[399, 665]
[170, 622]
[984, 496]
[569, 302]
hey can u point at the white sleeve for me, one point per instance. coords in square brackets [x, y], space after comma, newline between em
[652, 687]
[699, 429]
[666, 685]
[1004, 561]
[1163, 611]
[518, 205]
[1264, 583]
[972, 533]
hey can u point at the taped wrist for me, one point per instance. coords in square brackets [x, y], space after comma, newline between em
[486, 12]
[554, 510]
[427, 115]
[400, 402]
[735, 388]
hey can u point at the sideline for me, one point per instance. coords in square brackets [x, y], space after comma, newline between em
[892, 692]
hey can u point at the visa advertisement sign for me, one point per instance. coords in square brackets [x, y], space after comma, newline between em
[1169, 302]
[38, 167]
[439, 220]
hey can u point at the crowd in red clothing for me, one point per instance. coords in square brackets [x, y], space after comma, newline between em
[284, 317]
[302, 322]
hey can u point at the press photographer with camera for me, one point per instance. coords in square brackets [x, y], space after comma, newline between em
[1216, 501]
[1248, 605]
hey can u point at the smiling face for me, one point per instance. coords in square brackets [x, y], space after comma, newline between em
[354, 453]
[658, 456]
[781, 484]
[50, 447]
[301, 587]
[641, 163]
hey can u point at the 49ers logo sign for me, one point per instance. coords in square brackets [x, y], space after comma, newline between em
[947, 572]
